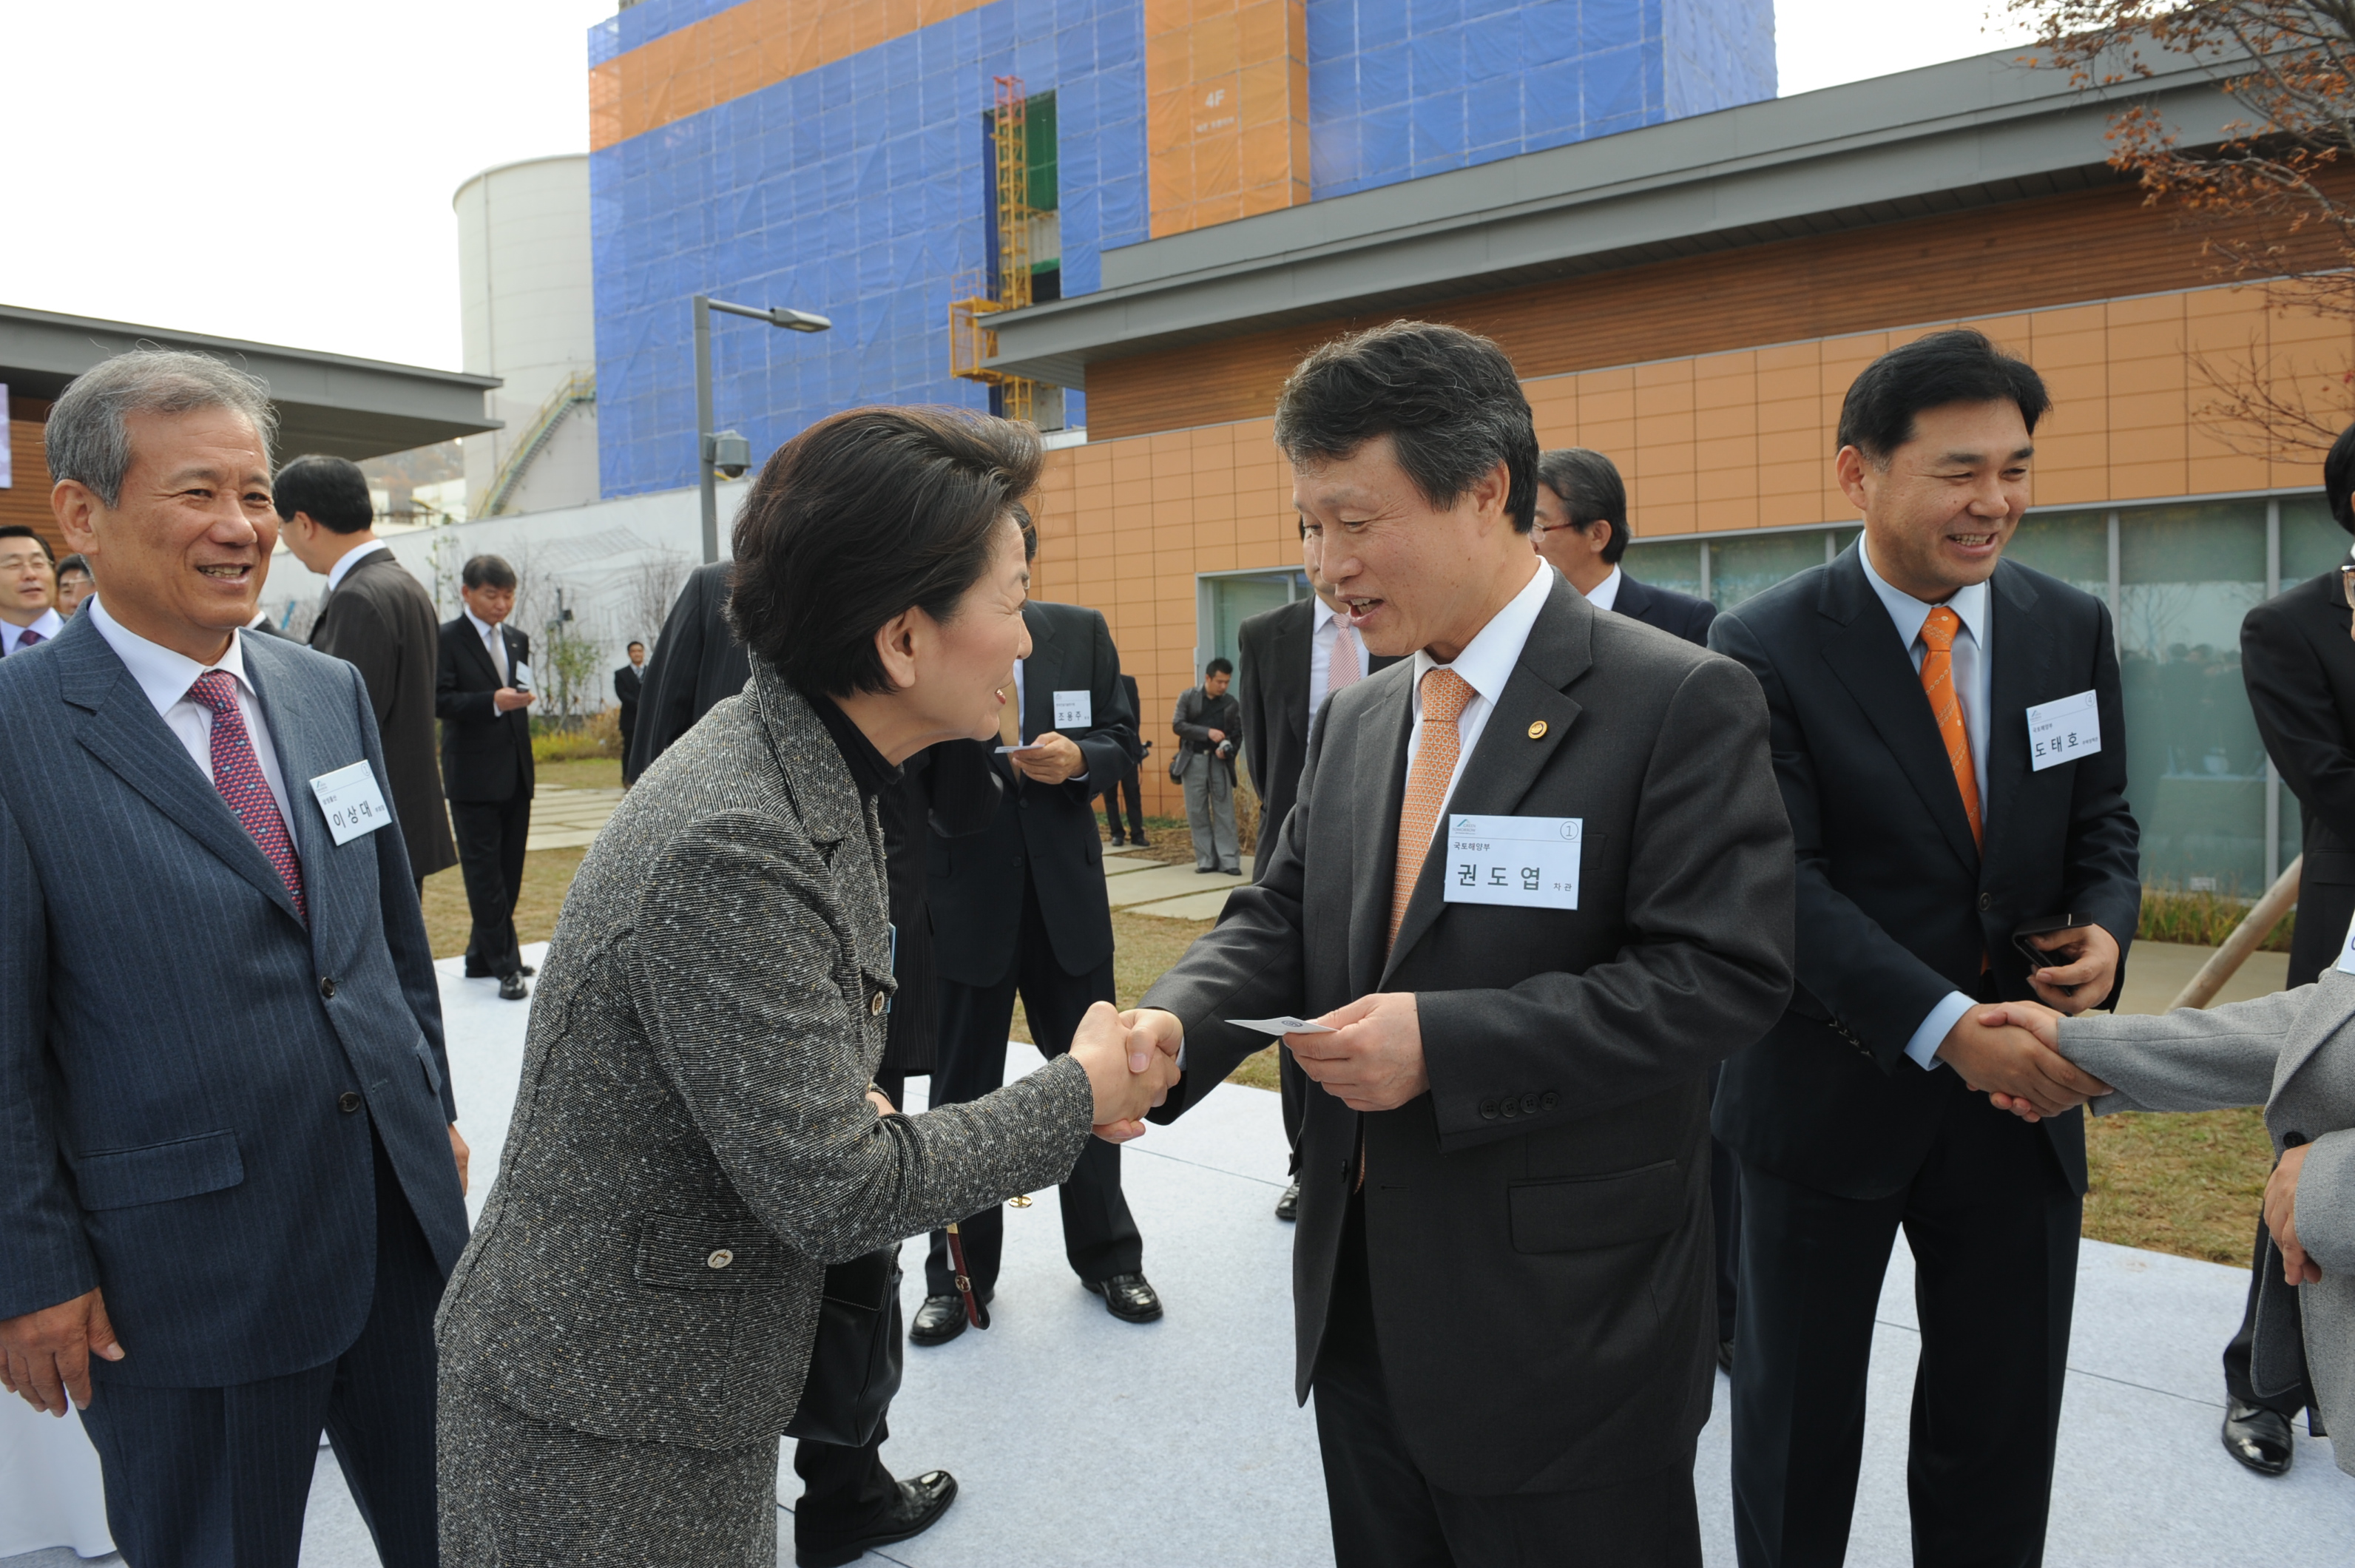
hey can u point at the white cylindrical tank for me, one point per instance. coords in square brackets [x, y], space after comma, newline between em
[528, 307]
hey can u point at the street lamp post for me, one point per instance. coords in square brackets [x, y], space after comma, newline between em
[725, 451]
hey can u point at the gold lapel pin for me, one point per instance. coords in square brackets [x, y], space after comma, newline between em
[1538, 729]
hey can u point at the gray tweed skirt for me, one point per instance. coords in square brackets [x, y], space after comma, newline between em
[520, 1492]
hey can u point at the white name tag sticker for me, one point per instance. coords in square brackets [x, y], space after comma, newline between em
[1528, 861]
[521, 680]
[2347, 951]
[2062, 730]
[1074, 711]
[353, 803]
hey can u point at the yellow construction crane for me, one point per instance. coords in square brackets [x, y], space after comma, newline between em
[971, 343]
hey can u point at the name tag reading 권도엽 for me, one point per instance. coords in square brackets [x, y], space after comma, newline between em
[1074, 711]
[352, 802]
[2062, 730]
[1530, 862]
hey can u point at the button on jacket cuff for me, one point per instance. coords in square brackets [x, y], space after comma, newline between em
[1924, 1047]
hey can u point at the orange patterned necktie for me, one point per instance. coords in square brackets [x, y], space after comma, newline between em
[1446, 694]
[1938, 684]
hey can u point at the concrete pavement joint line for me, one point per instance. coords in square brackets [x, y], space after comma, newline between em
[2073, 1370]
[1197, 1165]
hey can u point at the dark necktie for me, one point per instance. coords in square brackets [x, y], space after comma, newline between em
[28, 639]
[237, 774]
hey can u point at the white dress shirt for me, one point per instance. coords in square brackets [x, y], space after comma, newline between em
[1606, 593]
[48, 624]
[165, 677]
[1485, 664]
[1974, 670]
[352, 558]
[493, 644]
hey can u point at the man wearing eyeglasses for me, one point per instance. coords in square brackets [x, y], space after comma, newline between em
[1582, 529]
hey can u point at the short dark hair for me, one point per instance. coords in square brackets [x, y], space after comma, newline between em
[1022, 519]
[1957, 365]
[487, 572]
[1591, 490]
[19, 531]
[1221, 665]
[2338, 478]
[1449, 400]
[332, 491]
[76, 562]
[633, 642]
[863, 515]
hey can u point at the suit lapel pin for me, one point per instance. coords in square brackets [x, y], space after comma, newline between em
[1538, 729]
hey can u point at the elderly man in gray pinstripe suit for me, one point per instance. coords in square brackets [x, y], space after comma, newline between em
[228, 1192]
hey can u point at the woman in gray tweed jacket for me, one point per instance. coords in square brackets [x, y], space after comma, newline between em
[696, 1137]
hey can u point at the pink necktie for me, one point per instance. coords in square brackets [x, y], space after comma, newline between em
[237, 774]
[1346, 666]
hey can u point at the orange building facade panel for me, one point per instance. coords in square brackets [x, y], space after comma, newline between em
[1226, 86]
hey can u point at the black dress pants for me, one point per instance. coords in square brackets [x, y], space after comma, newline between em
[1126, 784]
[1725, 1208]
[218, 1477]
[1993, 1226]
[491, 836]
[1386, 1515]
[1100, 1236]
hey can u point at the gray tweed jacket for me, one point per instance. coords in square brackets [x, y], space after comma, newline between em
[691, 1143]
[2294, 1054]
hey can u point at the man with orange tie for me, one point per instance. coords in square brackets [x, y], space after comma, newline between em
[1948, 737]
[1537, 881]
[1293, 658]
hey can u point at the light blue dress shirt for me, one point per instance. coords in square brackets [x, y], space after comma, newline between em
[1974, 669]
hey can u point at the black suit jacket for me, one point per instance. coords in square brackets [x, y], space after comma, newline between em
[2299, 666]
[1678, 614]
[1271, 667]
[1896, 905]
[379, 619]
[1538, 1223]
[485, 754]
[627, 685]
[1046, 832]
[696, 662]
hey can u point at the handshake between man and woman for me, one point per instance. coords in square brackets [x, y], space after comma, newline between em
[1132, 1070]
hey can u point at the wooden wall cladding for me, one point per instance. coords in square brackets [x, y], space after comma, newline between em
[2017, 256]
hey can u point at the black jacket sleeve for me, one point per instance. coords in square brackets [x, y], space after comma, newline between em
[666, 700]
[2297, 714]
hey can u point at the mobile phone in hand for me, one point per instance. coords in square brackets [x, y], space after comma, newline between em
[2045, 925]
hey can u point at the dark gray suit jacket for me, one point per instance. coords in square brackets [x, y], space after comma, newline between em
[1537, 1224]
[175, 1041]
[709, 1019]
[380, 620]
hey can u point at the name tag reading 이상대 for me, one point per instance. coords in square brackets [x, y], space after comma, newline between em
[2062, 730]
[1074, 711]
[352, 801]
[1528, 861]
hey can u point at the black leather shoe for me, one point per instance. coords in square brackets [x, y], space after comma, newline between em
[2259, 1438]
[1725, 1356]
[525, 970]
[512, 989]
[939, 1320]
[918, 1507]
[1127, 1298]
[1287, 1208]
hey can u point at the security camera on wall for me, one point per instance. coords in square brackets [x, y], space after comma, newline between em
[730, 454]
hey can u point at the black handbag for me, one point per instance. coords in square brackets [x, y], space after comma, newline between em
[854, 1367]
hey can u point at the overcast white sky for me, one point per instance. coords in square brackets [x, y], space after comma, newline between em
[281, 170]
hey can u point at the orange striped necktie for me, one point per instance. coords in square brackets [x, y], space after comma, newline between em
[1946, 706]
[1446, 694]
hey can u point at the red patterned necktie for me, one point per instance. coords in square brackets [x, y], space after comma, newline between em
[237, 774]
[28, 639]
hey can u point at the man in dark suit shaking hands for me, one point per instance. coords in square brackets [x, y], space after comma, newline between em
[230, 1183]
[1582, 529]
[1537, 881]
[1948, 737]
[483, 695]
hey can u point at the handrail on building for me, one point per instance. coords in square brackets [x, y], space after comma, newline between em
[581, 387]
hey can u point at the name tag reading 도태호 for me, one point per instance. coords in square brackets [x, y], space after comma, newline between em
[2062, 730]
[1074, 711]
[1528, 861]
[353, 803]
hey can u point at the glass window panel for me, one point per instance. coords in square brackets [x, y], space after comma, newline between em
[2312, 542]
[2071, 546]
[1843, 537]
[2195, 768]
[1742, 568]
[1673, 564]
[1234, 600]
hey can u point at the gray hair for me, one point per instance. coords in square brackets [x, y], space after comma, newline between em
[89, 436]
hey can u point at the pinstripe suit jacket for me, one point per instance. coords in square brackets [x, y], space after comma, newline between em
[692, 1144]
[172, 1056]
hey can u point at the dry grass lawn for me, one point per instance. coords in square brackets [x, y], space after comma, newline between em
[2186, 1185]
